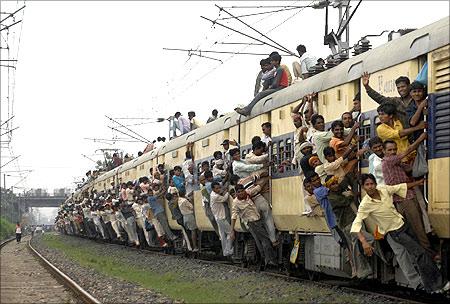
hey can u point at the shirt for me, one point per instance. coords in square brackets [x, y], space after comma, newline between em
[322, 139]
[376, 169]
[381, 211]
[394, 174]
[218, 205]
[306, 62]
[129, 194]
[245, 209]
[288, 73]
[189, 183]
[185, 166]
[311, 201]
[178, 182]
[410, 111]
[242, 169]
[196, 123]
[335, 168]
[400, 102]
[257, 83]
[18, 229]
[185, 206]
[157, 208]
[218, 172]
[266, 139]
[386, 132]
[183, 124]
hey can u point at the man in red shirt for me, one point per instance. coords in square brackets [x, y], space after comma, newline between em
[280, 82]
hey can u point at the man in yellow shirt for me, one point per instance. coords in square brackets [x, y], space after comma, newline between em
[392, 128]
[378, 205]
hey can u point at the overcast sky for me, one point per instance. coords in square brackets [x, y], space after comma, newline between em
[81, 60]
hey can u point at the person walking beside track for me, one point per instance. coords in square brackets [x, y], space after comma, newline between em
[18, 232]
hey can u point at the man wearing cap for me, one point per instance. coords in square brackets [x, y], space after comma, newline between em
[218, 170]
[226, 151]
[306, 150]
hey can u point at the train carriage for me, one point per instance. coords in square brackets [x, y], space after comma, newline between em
[336, 88]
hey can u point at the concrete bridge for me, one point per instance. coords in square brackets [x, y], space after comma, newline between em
[27, 202]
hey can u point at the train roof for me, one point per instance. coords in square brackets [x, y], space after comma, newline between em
[404, 48]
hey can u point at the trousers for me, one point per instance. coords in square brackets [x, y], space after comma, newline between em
[130, 228]
[266, 212]
[410, 210]
[428, 271]
[225, 231]
[162, 219]
[258, 97]
[259, 233]
[404, 262]
[210, 216]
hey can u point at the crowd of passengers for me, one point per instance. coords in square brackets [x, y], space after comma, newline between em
[235, 188]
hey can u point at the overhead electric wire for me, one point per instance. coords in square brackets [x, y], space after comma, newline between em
[115, 129]
[148, 141]
[12, 14]
[213, 69]
[262, 13]
[223, 52]
[265, 36]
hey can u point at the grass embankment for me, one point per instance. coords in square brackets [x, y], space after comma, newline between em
[243, 289]
[7, 229]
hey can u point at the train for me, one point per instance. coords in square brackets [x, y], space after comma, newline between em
[318, 252]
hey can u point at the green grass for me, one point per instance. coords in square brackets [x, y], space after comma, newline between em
[242, 289]
[7, 228]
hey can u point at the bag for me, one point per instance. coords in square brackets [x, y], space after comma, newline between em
[148, 226]
[420, 166]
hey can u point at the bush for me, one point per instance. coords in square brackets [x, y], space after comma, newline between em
[7, 229]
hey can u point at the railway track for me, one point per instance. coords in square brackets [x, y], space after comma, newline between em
[389, 294]
[27, 277]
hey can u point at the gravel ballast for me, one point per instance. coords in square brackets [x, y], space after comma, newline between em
[192, 281]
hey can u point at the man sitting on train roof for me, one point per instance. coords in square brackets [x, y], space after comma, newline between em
[214, 116]
[264, 63]
[306, 60]
[378, 205]
[401, 103]
[280, 82]
[195, 122]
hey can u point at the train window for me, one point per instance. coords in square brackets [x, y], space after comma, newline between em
[288, 152]
[377, 121]
[281, 152]
[364, 130]
[205, 142]
[274, 154]
[174, 154]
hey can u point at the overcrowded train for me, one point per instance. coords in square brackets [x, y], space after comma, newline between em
[297, 193]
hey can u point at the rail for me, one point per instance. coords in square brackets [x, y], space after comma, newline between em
[84, 295]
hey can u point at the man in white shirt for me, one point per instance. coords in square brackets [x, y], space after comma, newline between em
[267, 133]
[240, 167]
[219, 202]
[306, 61]
[183, 124]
